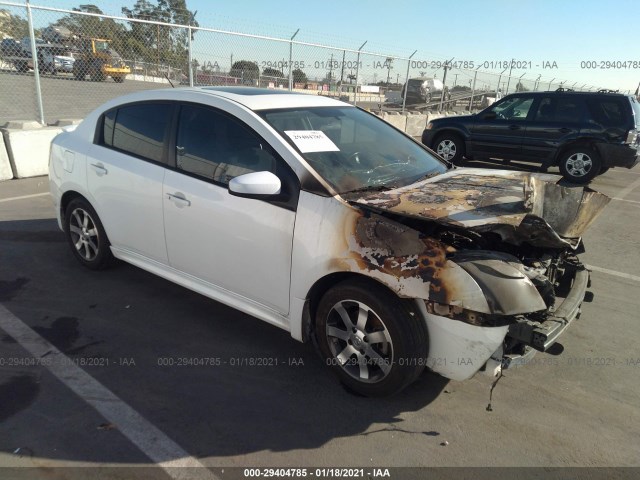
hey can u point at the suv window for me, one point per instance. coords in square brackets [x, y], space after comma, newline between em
[139, 130]
[561, 109]
[212, 145]
[514, 108]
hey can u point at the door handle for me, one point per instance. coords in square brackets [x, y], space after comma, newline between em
[179, 199]
[99, 169]
[514, 127]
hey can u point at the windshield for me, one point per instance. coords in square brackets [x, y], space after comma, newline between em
[101, 46]
[353, 150]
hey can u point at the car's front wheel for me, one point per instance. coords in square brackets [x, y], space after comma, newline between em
[580, 165]
[375, 342]
[450, 147]
[86, 235]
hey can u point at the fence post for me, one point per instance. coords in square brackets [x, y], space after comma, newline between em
[190, 60]
[473, 89]
[444, 82]
[355, 93]
[291, 60]
[406, 82]
[36, 71]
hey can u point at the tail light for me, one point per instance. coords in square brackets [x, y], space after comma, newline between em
[632, 137]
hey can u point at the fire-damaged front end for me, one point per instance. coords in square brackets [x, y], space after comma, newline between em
[491, 257]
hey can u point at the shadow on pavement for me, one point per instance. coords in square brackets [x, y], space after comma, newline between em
[216, 381]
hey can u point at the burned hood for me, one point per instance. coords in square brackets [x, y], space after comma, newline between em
[521, 207]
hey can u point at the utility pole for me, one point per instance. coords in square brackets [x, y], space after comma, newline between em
[455, 80]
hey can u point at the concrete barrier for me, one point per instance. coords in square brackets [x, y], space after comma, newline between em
[5, 166]
[415, 124]
[28, 148]
[396, 119]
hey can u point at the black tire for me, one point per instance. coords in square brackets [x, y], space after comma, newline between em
[451, 147]
[580, 165]
[97, 76]
[604, 169]
[79, 70]
[371, 367]
[87, 238]
[118, 79]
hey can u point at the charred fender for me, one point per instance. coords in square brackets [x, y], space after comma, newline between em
[415, 265]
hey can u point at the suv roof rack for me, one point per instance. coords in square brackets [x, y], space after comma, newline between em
[605, 90]
[561, 89]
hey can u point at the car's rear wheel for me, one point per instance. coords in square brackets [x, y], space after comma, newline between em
[375, 342]
[450, 147]
[86, 235]
[604, 169]
[580, 165]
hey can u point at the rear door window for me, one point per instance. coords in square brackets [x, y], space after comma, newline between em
[140, 130]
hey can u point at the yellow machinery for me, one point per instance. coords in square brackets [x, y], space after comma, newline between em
[98, 61]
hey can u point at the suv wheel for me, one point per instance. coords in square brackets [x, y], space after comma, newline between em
[374, 342]
[580, 165]
[450, 147]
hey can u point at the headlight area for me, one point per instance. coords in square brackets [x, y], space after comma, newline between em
[462, 342]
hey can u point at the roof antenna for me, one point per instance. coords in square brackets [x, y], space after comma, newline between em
[168, 80]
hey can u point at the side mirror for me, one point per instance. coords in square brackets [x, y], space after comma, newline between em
[255, 184]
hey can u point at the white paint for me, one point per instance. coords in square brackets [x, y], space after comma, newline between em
[167, 454]
[309, 141]
[628, 276]
[5, 166]
[29, 150]
[628, 189]
[457, 350]
[22, 197]
[625, 200]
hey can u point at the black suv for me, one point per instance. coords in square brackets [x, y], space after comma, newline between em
[584, 133]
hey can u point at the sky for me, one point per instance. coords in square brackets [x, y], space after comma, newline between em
[579, 42]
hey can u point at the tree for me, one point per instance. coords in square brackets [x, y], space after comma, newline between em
[246, 70]
[272, 72]
[160, 43]
[13, 25]
[299, 76]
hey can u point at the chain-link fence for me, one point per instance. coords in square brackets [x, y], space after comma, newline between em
[57, 64]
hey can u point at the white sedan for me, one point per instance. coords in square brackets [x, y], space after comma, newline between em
[324, 220]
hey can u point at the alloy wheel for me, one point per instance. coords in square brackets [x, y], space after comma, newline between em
[359, 341]
[84, 234]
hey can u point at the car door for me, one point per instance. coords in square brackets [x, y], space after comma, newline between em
[498, 131]
[556, 120]
[125, 173]
[241, 245]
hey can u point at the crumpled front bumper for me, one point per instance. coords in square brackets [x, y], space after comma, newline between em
[541, 336]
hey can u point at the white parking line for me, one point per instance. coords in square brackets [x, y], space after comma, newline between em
[624, 200]
[167, 454]
[11, 199]
[628, 189]
[614, 273]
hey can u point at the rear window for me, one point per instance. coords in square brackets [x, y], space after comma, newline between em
[609, 112]
[636, 109]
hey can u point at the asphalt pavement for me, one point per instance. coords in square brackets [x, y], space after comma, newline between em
[119, 341]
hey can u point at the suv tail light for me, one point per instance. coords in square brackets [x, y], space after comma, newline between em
[632, 137]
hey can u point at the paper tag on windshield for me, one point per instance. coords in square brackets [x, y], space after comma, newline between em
[312, 141]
